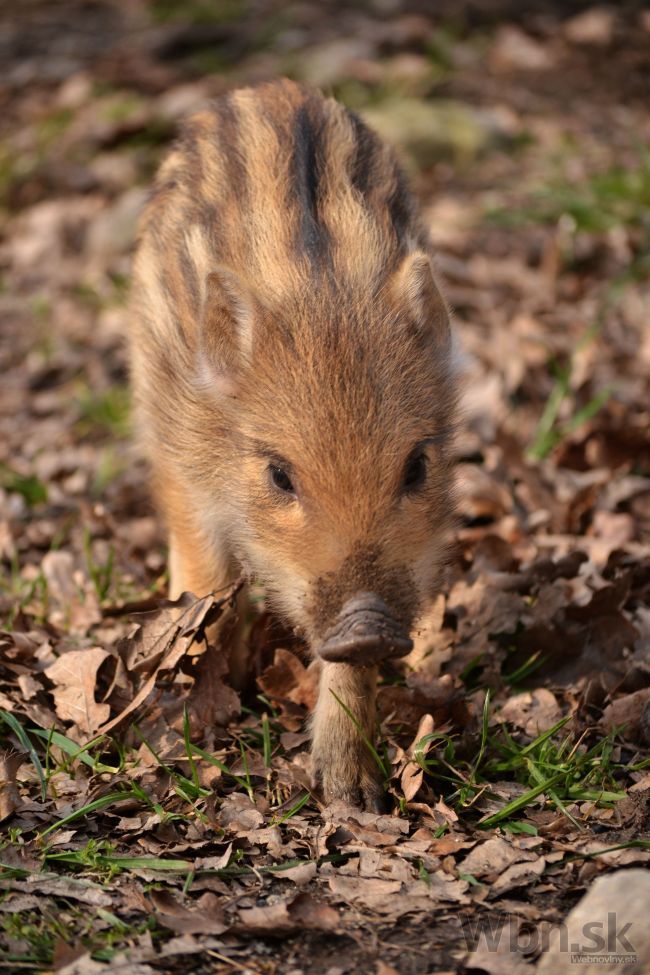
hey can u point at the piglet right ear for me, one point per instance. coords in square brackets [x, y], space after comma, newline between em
[228, 318]
[415, 293]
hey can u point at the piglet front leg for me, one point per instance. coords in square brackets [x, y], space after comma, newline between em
[343, 763]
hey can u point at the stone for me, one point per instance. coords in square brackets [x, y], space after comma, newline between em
[593, 27]
[514, 50]
[607, 931]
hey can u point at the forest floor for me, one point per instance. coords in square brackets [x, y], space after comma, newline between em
[153, 820]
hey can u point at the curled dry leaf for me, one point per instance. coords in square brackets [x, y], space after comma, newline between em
[445, 812]
[287, 679]
[302, 874]
[632, 712]
[411, 780]
[302, 912]
[239, 815]
[518, 875]
[413, 773]
[211, 701]
[65, 954]
[167, 638]
[10, 762]
[205, 916]
[215, 862]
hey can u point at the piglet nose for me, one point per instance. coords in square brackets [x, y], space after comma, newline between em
[365, 633]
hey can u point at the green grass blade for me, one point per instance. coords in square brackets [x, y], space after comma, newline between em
[185, 787]
[537, 776]
[128, 863]
[546, 436]
[74, 750]
[266, 741]
[94, 806]
[218, 764]
[579, 794]
[247, 777]
[519, 803]
[292, 812]
[628, 845]
[22, 736]
[545, 736]
[588, 411]
[533, 663]
[485, 731]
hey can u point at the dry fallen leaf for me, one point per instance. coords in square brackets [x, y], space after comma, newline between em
[205, 916]
[86, 965]
[377, 895]
[161, 644]
[288, 679]
[10, 762]
[238, 814]
[302, 912]
[518, 875]
[413, 772]
[84, 891]
[65, 954]
[302, 874]
[492, 857]
[384, 969]
[632, 713]
[75, 677]
[392, 898]
[211, 701]
[534, 712]
[612, 858]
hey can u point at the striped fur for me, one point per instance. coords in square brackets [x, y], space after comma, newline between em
[285, 312]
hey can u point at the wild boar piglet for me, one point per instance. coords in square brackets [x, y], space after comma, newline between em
[294, 383]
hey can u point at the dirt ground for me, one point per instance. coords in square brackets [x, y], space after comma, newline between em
[153, 820]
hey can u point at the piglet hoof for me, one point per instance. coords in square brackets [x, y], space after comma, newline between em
[346, 794]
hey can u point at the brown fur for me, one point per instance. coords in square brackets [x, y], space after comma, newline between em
[285, 312]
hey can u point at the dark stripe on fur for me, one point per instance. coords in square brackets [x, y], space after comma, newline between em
[304, 186]
[363, 175]
[400, 205]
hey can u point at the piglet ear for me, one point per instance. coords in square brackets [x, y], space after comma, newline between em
[415, 293]
[229, 314]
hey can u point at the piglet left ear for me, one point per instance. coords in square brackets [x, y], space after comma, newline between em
[229, 317]
[415, 293]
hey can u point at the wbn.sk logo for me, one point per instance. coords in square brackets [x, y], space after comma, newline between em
[598, 942]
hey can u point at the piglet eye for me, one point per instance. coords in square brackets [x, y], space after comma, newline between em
[415, 472]
[281, 480]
